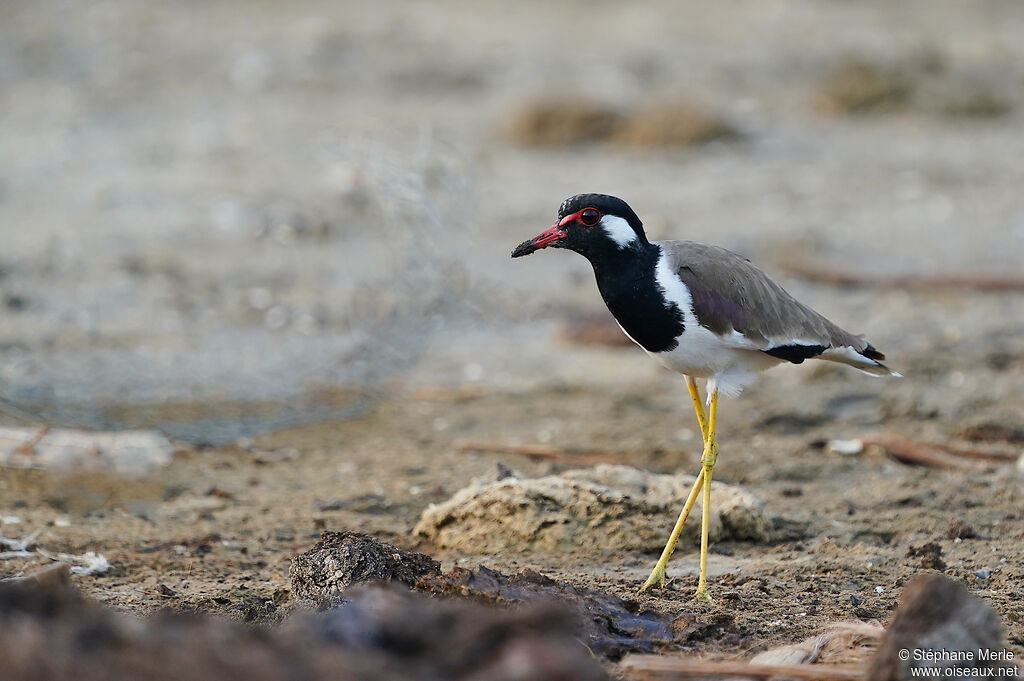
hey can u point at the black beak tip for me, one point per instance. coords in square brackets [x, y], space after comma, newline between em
[525, 248]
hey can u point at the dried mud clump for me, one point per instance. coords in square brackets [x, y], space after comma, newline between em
[924, 83]
[561, 123]
[938, 615]
[577, 121]
[857, 87]
[57, 635]
[381, 632]
[605, 507]
[341, 559]
[406, 635]
[930, 555]
[960, 529]
[675, 124]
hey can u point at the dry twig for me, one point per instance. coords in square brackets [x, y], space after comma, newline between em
[935, 455]
[538, 452]
[662, 667]
[973, 281]
[992, 433]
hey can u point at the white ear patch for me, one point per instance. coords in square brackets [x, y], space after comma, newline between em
[618, 230]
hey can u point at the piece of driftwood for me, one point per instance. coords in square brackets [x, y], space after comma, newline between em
[537, 452]
[973, 281]
[977, 454]
[842, 642]
[793, 661]
[18, 548]
[662, 667]
[933, 454]
[129, 452]
[48, 576]
[943, 632]
[991, 432]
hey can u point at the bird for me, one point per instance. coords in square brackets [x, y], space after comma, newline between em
[699, 310]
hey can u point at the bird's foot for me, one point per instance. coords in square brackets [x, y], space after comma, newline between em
[702, 595]
[656, 580]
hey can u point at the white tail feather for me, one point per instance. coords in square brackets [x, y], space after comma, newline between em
[850, 357]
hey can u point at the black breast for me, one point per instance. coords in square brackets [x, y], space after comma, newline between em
[638, 305]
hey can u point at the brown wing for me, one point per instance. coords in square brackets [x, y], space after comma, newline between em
[729, 293]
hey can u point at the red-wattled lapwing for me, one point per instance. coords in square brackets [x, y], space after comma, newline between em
[700, 310]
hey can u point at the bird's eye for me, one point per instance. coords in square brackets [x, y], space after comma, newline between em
[590, 216]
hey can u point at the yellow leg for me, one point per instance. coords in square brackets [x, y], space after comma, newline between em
[657, 578]
[707, 462]
[698, 406]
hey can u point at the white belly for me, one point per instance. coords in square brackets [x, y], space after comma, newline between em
[702, 353]
[728, 362]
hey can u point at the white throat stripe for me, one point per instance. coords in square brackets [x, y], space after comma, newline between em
[618, 230]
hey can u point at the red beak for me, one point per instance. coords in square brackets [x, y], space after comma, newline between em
[542, 240]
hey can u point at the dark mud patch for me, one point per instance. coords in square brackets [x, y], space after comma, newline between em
[611, 626]
[381, 632]
[454, 639]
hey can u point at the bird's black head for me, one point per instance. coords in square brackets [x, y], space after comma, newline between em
[590, 224]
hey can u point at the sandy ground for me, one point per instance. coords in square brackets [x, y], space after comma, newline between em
[293, 223]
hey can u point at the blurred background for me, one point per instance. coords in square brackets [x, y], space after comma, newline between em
[279, 233]
[223, 218]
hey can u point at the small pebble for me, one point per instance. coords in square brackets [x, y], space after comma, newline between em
[276, 317]
[845, 447]
[473, 372]
[854, 600]
[982, 574]
[260, 298]
[879, 589]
